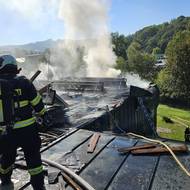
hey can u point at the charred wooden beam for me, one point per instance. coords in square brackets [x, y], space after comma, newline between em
[144, 146]
[93, 142]
[79, 86]
[157, 150]
[35, 75]
[45, 88]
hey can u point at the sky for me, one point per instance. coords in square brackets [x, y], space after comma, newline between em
[25, 21]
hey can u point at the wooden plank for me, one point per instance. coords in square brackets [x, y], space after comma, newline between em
[169, 176]
[125, 150]
[67, 145]
[135, 174]
[81, 154]
[93, 142]
[105, 165]
[156, 150]
[71, 182]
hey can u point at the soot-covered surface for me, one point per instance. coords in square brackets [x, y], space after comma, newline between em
[98, 108]
[87, 101]
[114, 106]
[106, 168]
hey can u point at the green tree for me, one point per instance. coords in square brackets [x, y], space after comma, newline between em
[156, 50]
[174, 79]
[134, 56]
[148, 69]
[154, 36]
[140, 62]
[121, 64]
[120, 44]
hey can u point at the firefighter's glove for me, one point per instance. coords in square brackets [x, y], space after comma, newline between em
[47, 120]
[39, 121]
[44, 122]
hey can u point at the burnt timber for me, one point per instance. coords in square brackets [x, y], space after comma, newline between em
[110, 110]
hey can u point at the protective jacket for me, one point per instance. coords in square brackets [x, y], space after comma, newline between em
[24, 133]
[27, 101]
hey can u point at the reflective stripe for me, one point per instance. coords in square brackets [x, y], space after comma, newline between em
[42, 111]
[2, 128]
[1, 112]
[1, 109]
[36, 171]
[36, 100]
[18, 91]
[5, 171]
[24, 123]
[22, 103]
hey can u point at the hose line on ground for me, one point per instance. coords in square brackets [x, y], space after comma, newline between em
[80, 180]
[167, 147]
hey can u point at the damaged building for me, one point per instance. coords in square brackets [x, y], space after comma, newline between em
[89, 136]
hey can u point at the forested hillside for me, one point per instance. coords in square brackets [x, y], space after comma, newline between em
[155, 36]
[137, 53]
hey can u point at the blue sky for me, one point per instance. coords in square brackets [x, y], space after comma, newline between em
[125, 16]
[128, 16]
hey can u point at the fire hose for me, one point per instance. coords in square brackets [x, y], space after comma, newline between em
[167, 147]
[78, 179]
[156, 141]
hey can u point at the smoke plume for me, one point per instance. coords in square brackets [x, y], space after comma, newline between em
[87, 48]
[135, 80]
[88, 42]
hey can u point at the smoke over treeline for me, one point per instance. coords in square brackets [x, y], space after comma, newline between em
[87, 48]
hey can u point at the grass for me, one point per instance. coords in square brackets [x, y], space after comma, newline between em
[180, 119]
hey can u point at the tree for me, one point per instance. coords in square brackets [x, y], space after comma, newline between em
[120, 44]
[121, 64]
[174, 79]
[156, 51]
[140, 62]
[143, 46]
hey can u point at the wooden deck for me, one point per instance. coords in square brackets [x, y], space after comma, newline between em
[106, 168]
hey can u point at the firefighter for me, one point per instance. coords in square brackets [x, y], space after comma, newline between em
[154, 102]
[187, 134]
[24, 131]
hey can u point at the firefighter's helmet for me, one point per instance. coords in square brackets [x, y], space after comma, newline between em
[8, 64]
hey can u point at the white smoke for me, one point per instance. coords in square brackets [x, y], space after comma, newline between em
[87, 21]
[28, 69]
[135, 80]
[100, 59]
[87, 50]
[67, 60]
[84, 19]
